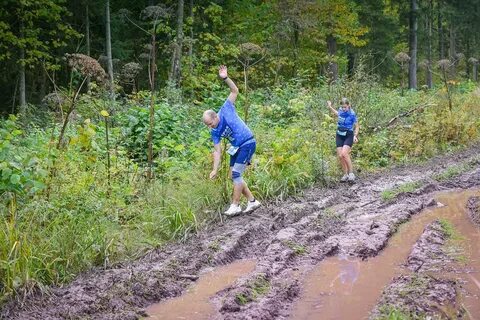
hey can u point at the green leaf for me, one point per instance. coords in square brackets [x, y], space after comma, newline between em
[179, 147]
[14, 179]
[6, 173]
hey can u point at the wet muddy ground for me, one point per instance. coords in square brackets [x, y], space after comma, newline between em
[344, 252]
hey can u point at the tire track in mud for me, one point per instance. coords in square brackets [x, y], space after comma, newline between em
[286, 239]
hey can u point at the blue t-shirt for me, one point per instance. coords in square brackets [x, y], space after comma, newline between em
[230, 126]
[346, 119]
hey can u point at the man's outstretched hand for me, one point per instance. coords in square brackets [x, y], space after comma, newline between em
[213, 174]
[222, 72]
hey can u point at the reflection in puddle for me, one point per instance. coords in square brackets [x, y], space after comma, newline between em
[341, 288]
[194, 304]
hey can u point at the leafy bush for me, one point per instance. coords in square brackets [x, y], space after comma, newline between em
[168, 133]
[22, 167]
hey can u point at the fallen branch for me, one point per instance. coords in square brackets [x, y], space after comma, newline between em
[407, 113]
[401, 115]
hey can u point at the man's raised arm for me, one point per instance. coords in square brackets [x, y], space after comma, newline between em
[222, 72]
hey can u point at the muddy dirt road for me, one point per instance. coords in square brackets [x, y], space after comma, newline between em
[347, 252]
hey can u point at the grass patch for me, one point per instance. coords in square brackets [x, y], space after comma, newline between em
[449, 229]
[295, 247]
[329, 217]
[451, 172]
[453, 247]
[390, 194]
[242, 299]
[256, 288]
[389, 312]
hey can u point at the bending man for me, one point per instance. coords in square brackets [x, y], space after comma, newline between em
[227, 124]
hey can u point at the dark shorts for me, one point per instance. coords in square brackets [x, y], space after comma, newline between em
[244, 154]
[346, 140]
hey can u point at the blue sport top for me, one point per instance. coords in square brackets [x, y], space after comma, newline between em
[230, 126]
[346, 119]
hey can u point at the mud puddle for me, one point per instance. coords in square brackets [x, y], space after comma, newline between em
[194, 304]
[347, 288]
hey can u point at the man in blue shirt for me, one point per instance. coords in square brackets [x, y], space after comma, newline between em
[227, 124]
[347, 134]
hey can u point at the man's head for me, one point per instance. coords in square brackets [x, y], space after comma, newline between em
[210, 118]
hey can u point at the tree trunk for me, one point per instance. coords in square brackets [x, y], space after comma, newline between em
[351, 64]
[43, 85]
[475, 72]
[429, 78]
[175, 71]
[453, 51]
[296, 38]
[22, 88]
[467, 54]
[412, 68]
[87, 40]
[108, 41]
[332, 52]
[441, 42]
[190, 47]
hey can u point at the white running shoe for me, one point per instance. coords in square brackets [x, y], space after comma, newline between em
[351, 177]
[233, 210]
[344, 178]
[252, 205]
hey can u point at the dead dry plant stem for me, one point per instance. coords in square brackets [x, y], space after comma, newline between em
[55, 88]
[70, 110]
[445, 82]
[108, 154]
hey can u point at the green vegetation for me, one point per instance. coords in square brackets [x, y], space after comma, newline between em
[392, 313]
[449, 229]
[414, 289]
[260, 286]
[456, 170]
[390, 194]
[454, 246]
[295, 247]
[451, 172]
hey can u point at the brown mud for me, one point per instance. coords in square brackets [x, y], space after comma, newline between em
[287, 240]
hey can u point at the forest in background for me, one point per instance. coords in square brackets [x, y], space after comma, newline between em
[103, 155]
[266, 42]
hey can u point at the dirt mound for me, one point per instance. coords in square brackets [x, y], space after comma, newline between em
[473, 206]
[418, 296]
[428, 254]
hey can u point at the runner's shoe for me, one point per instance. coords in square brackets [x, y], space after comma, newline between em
[344, 178]
[252, 205]
[233, 210]
[351, 177]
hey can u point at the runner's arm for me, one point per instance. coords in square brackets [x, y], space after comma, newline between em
[222, 72]
[355, 132]
[217, 156]
[329, 105]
